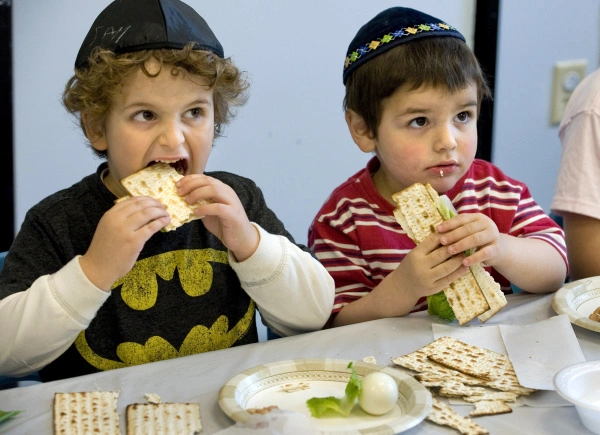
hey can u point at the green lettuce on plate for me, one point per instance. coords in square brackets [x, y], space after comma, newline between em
[320, 406]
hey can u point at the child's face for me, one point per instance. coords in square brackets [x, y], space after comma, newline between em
[426, 135]
[167, 117]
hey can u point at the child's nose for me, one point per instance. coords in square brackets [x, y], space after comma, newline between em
[171, 134]
[445, 138]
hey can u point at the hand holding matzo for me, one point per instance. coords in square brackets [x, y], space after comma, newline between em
[428, 269]
[120, 237]
[420, 211]
[475, 232]
[225, 216]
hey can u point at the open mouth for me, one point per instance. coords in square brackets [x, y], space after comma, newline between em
[179, 165]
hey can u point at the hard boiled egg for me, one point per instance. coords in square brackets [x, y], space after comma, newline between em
[379, 393]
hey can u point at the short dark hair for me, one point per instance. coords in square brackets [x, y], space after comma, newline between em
[441, 62]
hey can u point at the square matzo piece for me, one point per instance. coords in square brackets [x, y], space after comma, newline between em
[158, 181]
[86, 413]
[477, 361]
[469, 359]
[163, 418]
[416, 212]
[466, 298]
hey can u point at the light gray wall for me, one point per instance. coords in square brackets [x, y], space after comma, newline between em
[290, 138]
[534, 35]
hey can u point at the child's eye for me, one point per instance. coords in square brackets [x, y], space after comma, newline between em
[418, 122]
[463, 116]
[194, 113]
[144, 115]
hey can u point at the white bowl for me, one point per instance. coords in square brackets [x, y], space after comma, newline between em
[580, 385]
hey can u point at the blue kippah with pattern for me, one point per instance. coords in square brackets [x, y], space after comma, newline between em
[389, 28]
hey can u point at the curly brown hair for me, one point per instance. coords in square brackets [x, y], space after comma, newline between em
[446, 63]
[91, 90]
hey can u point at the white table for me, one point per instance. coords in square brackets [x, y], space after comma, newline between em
[198, 378]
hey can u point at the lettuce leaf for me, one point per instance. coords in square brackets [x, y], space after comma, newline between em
[320, 406]
[448, 211]
[5, 415]
[437, 305]
[446, 208]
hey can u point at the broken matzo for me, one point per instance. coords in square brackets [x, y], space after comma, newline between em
[490, 407]
[443, 415]
[457, 369]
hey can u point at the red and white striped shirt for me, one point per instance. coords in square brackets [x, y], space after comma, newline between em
[357, 238]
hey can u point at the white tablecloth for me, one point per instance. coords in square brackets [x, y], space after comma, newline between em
[198, 378]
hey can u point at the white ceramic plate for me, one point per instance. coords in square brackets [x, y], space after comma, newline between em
[579, 299]
[261, 386]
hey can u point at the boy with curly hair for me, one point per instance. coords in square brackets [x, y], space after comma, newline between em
[91, 283]
[413, 93]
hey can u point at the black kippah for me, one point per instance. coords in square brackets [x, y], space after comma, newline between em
[126, 26]
[392, 27]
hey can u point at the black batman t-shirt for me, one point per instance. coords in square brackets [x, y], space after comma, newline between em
[180, 298]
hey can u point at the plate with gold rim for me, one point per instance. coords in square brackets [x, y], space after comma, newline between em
[579, 299]
[289, 384]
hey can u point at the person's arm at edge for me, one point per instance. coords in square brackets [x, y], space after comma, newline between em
[582, 234]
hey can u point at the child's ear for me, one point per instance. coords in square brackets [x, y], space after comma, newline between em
[93, 132]
[361, 134]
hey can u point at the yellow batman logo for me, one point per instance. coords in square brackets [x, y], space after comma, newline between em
[139, 291]
[199, 340]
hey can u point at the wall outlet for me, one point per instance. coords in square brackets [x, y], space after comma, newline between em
[567, 75]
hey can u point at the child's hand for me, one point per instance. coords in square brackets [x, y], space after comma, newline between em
[429, 268]
[120, 237]
[225, 217]
[473, 230]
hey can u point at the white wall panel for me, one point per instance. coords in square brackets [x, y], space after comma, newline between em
[290, 137]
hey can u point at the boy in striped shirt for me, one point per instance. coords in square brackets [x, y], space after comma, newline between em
[413, 93]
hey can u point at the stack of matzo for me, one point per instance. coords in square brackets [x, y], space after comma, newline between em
[480, 376]
[158, 181]
[474, 294]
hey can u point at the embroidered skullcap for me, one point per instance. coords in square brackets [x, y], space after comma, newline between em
[392, 27]
[125, 26]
